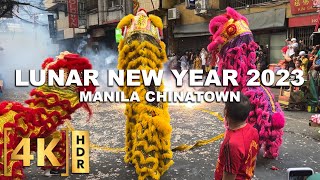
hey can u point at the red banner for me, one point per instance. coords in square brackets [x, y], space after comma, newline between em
[301, 21]
[302, 6]
[73, 13]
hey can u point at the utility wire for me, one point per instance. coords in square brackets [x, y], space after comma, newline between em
[16, 3]
[79, 14]
[27, 21]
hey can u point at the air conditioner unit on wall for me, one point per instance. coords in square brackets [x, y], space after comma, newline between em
[173, 13]
[201, 7]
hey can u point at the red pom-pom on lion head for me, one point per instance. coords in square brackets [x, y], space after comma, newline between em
[226, 27]
[67, 61]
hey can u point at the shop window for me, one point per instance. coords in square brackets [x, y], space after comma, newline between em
[91, 4]
[303, 33]
[245, 3]
[82, 12]
[113, 3]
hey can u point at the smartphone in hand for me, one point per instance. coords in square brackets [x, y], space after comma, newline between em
[301, 173]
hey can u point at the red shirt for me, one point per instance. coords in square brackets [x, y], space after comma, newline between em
[284, 49]
[238, 153]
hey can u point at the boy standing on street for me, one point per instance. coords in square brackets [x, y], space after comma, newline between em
[239, 149]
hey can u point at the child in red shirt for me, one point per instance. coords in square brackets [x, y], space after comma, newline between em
[239, 149]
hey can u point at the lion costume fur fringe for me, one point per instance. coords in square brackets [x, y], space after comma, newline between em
[233, 41]
[48, 108]
[148, 129]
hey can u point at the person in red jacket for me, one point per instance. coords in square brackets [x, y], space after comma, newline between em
[239, 149]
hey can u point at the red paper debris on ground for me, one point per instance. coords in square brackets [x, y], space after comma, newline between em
[274, 168]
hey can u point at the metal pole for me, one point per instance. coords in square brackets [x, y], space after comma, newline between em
[129, 7]
[74, 39]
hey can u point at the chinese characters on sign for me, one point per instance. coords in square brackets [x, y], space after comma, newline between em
[302, 6]
[73, 13]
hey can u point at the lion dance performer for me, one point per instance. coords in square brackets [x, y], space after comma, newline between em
[48, 108]
[234, 42]
[148, 130]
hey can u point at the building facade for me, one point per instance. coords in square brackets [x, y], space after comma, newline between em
[97, 23]
[186, 21]
[270, 21]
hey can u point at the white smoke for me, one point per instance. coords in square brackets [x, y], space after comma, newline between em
[102, 59]
[25, 46]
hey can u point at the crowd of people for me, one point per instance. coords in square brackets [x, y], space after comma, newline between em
[201, 59]
[298, 56]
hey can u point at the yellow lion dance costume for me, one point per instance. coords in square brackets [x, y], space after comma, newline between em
[48, 108]
[148, 130]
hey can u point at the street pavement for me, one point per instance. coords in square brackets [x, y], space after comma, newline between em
[301, 145]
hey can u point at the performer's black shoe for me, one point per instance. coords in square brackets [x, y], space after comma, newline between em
[50, 172]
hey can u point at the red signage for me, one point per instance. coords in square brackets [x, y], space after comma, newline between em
[73, 13]
[302, 6]
[303, 21]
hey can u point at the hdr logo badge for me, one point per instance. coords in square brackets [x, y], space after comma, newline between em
[80, 144]
[80, 152]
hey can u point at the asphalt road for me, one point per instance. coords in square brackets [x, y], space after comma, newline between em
[301, 146]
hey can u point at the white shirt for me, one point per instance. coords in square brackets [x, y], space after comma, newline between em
[291, 48]
[203, 58]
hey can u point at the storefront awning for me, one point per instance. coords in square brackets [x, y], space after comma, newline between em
[274, 18]
[191, 30]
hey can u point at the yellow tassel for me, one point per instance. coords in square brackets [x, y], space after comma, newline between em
[148, 129]
[125, 21]
[156, 21]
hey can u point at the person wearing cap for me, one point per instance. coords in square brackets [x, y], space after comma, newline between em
[292, 47]
[304, 63]
[294, 43]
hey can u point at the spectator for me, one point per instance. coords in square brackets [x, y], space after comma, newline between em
[317, 57]
[262, 58]
[173, 61]
[203, 56]
[217, 63]
[208, 62]
[191, 58]
[298, 64]
[304, 63]
[302, 46]
[298, 67]
[292, 46]
[292, 60]
[240, 147]
[259, 67]
[197, 62]
[285, 66]
[315, 68]
[284, 50]
[294, 43]
[179, 55]
[184, 62]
